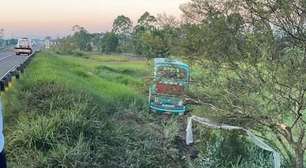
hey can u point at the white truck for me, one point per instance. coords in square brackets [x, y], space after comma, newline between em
[24, 46]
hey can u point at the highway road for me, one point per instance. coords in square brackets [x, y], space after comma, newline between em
[8, 60]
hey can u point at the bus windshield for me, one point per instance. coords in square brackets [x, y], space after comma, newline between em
[171, 73]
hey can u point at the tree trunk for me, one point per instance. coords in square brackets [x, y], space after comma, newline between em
[299, 158]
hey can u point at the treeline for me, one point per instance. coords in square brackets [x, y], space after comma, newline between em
[152, 36]
[6, 42]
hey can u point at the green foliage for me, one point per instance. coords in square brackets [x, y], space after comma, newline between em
[83, 39]
[123, 28]
[122, 25]
[192, 41]
[80, 111]
[252, 76]
[110, 42]
[151, 44]
[148, 40]
[230, 150]
[85, 112]
[80, 41]
[146, 22]
[152, 40]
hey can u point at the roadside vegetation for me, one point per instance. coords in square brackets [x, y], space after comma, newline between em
[91, 111]
[80, 112]
[248, 59]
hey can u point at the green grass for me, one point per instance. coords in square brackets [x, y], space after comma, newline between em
[91, 111]
[109, 58]
[86, 112]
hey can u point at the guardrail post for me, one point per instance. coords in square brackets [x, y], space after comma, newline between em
[17, 74]
[2, 86]
[6, 82]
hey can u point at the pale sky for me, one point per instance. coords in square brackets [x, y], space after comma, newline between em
[40, 18]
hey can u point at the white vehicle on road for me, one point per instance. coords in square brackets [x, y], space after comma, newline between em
[24, 46]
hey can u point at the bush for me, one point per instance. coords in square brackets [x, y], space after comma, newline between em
[230, 150]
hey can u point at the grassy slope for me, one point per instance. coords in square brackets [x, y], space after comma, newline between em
[85, 112]
[91, 111]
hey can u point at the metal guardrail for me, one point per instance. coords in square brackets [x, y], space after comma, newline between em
[15, 71]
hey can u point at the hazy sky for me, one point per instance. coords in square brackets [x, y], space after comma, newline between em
[40, 18]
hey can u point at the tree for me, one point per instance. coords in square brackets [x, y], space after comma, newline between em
[66, 45]
[122, 25]
[190, 41]
[167, 21]
[288, 16]
[151, 44]
[109, 43]
[96, 41]
[170, 29]
[82, 38]
[123, 28]
[12, 41]
[251, 80]
[76, 28]
[146, 22]
[150, 40]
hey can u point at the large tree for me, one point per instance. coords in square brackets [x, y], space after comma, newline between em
[167, 21]
[254, 59]
[109, 43]
[148, 41]
[122, 25]
[170, 30]
[123, 28]
[82, 38]
[146, 22]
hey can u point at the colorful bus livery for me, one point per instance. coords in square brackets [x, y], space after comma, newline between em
[167, 91]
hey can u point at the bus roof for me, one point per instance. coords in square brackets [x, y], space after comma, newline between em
[168, 61]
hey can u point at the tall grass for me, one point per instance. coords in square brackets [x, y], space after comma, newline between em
[91, 111]
[68, 112]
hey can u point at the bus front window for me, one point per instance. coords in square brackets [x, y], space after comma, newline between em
[172, 73]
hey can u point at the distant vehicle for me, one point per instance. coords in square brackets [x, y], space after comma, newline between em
[24, 46]
[167, 92]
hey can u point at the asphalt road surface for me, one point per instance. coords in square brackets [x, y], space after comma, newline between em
[9, 60]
